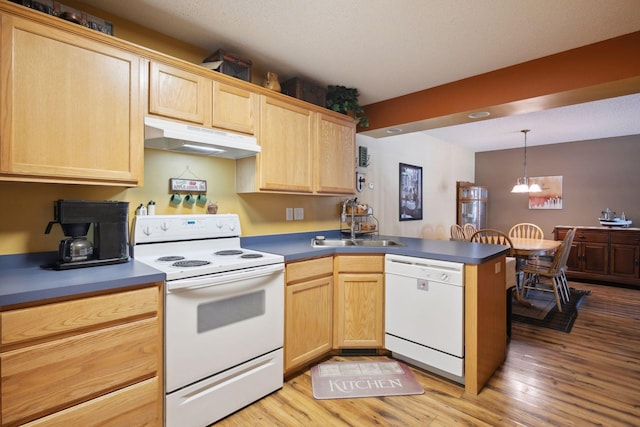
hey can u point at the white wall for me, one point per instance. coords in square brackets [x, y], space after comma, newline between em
[442, 165]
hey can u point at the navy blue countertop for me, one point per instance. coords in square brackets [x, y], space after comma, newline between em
[22, 280]
[298, 246]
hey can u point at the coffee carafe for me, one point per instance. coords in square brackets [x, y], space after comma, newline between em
[75, 249]
[110, 223]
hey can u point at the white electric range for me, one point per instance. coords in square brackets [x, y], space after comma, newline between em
[224, 314]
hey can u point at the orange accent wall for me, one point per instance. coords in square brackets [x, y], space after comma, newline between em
[595, 64]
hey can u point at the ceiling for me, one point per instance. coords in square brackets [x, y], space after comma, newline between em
[388, 48]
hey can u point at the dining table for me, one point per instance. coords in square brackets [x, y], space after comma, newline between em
[525, 248]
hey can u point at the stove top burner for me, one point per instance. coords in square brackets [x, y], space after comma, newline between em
[229, 252]
[190, 263]
[170, 258]
[251, 256]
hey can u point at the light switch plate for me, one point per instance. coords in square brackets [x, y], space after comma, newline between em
[298, 214]
[289, 214]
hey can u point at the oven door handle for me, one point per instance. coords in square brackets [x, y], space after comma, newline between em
[224, 278]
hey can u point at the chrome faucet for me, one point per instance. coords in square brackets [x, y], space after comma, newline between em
[353, 203]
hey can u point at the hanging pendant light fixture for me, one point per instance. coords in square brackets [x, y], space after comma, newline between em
[522, 184]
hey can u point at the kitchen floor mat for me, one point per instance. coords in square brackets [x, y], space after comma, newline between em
[348, 380]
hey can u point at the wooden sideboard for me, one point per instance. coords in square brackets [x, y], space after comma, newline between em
[604, 254]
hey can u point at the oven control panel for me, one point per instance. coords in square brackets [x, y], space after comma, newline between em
[171, 228]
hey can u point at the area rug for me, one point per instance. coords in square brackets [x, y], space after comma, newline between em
[541, 304]
[348, 380]
[546, 314]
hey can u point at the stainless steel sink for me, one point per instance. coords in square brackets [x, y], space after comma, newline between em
[378, 243]
[317, 243]
[331, 242]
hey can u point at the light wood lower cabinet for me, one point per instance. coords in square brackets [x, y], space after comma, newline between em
[308, 311]
[69, 363]
[359, 301]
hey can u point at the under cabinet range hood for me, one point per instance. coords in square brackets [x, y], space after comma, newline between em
[168, 135]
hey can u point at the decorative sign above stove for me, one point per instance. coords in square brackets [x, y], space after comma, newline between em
[188, 185]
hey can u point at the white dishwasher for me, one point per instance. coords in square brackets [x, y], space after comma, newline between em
[424, 313]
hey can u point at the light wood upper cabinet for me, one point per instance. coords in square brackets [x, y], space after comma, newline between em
[303, 152]
[334, 155]
[178, 94]
[286, 139]
[234, 108]
[183, 95]
[71, 107]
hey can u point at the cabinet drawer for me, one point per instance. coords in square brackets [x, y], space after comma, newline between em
[45, 378]
[23, 325]
[304, 270]
[360, 263]
[593, 236]
[137, 405]
[625, 237]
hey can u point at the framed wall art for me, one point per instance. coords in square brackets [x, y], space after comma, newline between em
[551, 195]
[410, 194]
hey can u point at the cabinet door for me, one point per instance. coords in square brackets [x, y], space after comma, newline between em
[573, 261]
[234, 108]
[334, 157]
[308, 321]
[625, 260]
[178, 94]
[360, 310]
[595, 257]
[286, 139]
[71, 107]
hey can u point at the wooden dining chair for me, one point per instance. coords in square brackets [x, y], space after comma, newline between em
[546, 262]
[457, 233]
[469, 229]
[492, 237]
[536, 272]
[526, 230]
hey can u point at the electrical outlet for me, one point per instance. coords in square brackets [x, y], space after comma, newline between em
[498, 267]
[298, 214]
[289, 214]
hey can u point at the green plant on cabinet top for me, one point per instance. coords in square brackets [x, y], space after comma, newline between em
[345, 100]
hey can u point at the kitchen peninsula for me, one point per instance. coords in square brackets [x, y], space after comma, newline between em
[484, 287]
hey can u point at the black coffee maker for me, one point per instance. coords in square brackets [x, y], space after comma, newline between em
[110, 221]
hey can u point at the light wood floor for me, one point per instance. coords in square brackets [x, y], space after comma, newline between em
[590, 376]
